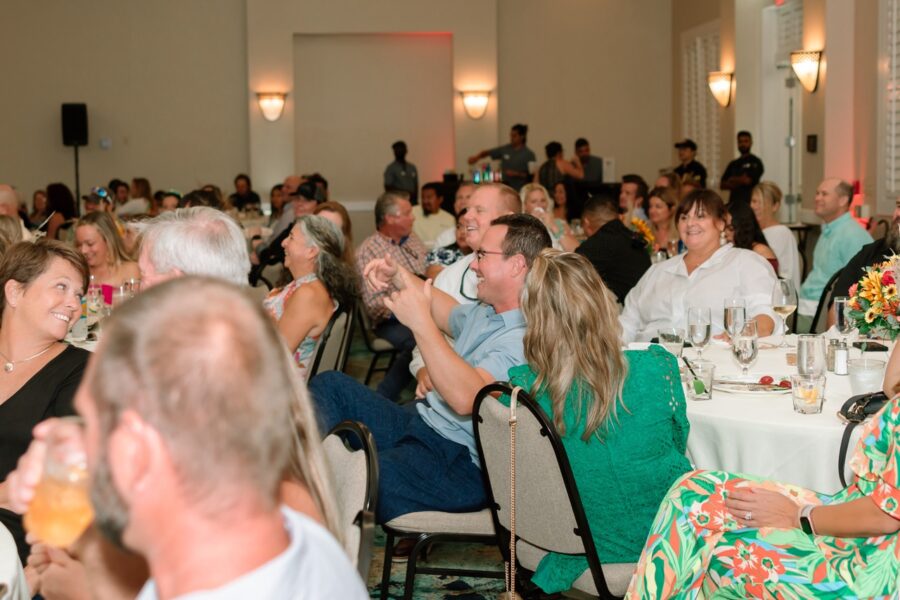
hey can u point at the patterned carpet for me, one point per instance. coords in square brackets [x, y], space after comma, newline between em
[434, 587]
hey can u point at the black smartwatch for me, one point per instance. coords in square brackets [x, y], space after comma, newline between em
[806, 523]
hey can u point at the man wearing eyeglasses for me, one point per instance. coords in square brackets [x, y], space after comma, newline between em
[426, 451]
[486, 203]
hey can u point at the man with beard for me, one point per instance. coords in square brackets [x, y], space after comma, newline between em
[870, 254]
[197, 355]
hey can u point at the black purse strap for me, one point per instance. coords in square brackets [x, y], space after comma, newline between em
[854, 411]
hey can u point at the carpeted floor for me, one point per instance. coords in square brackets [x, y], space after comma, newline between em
[427, 587]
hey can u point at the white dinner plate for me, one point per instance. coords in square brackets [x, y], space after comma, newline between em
[749, 385]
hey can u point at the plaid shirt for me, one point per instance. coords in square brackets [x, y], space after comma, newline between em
[409, 253]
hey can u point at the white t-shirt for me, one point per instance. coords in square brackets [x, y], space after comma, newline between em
[313, 566]
[663, 295]
[783, 243]
[457, 280]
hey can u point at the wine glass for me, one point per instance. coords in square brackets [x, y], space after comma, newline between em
[745, 346]
[699, 328]
[672, 340]
[784, 302]
[735, 315]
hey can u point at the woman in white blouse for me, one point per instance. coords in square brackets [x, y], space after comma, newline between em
[765, 202]
[705, 276]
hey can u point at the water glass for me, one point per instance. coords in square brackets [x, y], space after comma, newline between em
[842, 320]
[810, 354]
[808, 392]
[745, 346]
[735, 315]
[659, 256]
[866, 375]
[672, 340]
[61, 509]
[699, 328]
[700, 379]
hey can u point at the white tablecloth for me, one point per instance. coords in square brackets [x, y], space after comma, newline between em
[12, 579]
[761, 434]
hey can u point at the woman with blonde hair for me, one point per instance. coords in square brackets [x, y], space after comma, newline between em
[536, 201]
[10, 233]
[621, 415]
[97, 238]
[661, 212]
[765, 200]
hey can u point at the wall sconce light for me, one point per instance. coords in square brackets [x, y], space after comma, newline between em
[475, 103]
[720, 86]
[271, 104]
[806, 66]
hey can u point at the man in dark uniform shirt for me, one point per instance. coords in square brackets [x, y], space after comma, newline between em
[744, 172]
[400, 175]
[617, 253]
[690, 170]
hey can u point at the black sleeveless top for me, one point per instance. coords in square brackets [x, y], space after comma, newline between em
[49, 393]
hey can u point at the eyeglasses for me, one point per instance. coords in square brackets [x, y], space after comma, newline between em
[480, 254]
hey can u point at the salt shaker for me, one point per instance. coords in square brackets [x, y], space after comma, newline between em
[829, 354]
[841, 358]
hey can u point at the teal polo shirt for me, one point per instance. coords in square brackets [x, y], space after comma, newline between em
[839, 242]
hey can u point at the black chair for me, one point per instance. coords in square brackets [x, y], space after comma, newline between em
[352, 458]
[549, 514]
[334, 345]
[824, 301]
[379, 347]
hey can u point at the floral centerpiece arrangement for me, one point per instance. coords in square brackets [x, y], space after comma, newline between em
[643, 230]
[874, 300]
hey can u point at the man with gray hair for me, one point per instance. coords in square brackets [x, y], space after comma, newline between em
[193, 241]
[841, 238]
[9, 206]
[193, 487]
[393, 237]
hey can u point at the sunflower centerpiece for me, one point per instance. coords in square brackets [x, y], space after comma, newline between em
[642, 229]
[874, 300]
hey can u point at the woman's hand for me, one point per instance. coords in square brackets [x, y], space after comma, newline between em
[759, 507]
[64, 578]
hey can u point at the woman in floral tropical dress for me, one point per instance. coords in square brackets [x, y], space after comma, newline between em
[724, 535]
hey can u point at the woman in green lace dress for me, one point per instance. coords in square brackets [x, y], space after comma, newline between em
[725, 535]
[621, 415]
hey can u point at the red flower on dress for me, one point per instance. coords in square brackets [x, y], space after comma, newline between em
[887, 278]
[755, 563]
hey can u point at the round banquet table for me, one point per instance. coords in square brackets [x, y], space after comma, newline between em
[760, 434]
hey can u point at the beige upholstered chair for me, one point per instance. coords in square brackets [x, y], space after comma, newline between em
[430, 527]
[334, 344]
[353, 464]
[549, 513]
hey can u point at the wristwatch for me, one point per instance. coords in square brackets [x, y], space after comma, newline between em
[806, 523]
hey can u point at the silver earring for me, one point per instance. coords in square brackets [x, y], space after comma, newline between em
[722, 238]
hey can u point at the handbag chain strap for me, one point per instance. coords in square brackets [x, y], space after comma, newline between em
[511, 565]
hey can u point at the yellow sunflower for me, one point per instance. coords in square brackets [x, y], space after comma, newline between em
[889, 291]
[872, 314]
[870, 286]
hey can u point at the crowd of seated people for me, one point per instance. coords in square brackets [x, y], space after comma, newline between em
[483, 305]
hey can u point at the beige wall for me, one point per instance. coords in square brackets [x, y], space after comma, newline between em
[272, 24]
[164, 81]
[686, 15]
[572, 68]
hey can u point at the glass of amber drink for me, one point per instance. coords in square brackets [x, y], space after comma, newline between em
[61, 508]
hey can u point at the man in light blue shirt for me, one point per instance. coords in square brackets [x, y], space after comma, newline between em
[426, 451]
[841, 238]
